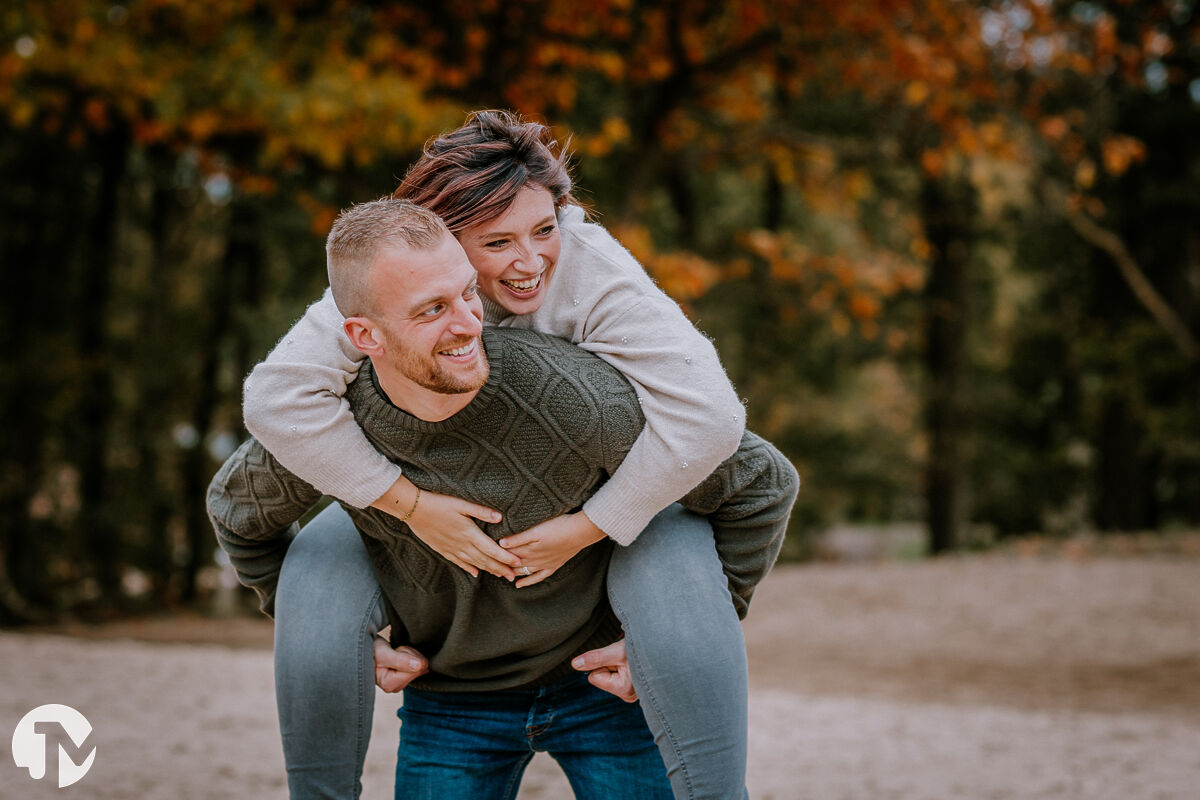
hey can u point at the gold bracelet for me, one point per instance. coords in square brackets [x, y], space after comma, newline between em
[412, 510]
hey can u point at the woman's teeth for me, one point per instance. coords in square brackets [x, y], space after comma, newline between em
[524, 286]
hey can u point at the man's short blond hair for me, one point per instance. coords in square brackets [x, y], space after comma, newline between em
[364, 231]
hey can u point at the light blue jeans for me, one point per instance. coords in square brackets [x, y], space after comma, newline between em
[683, 638]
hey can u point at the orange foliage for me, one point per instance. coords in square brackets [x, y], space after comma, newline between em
[709, 81]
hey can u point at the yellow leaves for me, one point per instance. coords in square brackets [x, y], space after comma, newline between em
[202, 125]
[659, 67]
[916, 92]
[320, 215]
[1082, 202]
[863, 306]
[96, 114]
[857, 185]
[21, 113]
[263, 185]
[1085, 174]
[920, 248]
[1120, 152]
[1054, 128]
[933, 162]
[613, 132]
[85, 31]
[682, 274]
[846, 291]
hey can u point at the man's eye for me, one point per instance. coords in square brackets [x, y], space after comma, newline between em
[471, 291]
[433, 311]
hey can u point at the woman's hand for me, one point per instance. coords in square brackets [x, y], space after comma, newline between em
[544, 548]
[447, 525]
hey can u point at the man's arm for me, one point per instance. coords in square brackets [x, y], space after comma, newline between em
[254, 503]
[748, 500]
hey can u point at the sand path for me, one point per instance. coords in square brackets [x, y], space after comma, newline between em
[982, 677]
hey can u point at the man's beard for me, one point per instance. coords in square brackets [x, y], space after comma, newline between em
[428, 373]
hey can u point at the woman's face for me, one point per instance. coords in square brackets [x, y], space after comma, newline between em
[516, 252]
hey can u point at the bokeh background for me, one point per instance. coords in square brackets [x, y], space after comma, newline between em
[949, 251]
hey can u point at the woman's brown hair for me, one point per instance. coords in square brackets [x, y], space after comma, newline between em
[473, 173]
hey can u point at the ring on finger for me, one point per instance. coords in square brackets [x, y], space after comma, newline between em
[524, 571]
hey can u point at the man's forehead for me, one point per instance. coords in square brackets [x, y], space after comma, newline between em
[411, 274]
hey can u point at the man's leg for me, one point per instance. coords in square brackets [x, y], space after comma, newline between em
[687, 655]
[327, 609]
[602, 743]
[462, 746]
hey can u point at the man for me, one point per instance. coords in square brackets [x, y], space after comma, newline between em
[509, 419]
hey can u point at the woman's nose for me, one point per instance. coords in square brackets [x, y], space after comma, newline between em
[528, 259]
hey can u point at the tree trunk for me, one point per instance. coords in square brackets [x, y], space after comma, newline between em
[96, 402]
[156, 381]
[24, 391]
[946, 210]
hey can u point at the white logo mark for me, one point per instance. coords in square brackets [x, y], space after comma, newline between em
[57, 729]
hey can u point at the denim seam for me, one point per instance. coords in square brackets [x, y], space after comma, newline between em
[635, 666]
[514, 778]
[361, 740]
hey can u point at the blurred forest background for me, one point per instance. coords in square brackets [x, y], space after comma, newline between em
[948, 250]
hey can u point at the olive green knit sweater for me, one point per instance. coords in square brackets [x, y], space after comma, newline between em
[551, 423]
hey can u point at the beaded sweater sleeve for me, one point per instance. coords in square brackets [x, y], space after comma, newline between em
[601, 299]
[294, 403]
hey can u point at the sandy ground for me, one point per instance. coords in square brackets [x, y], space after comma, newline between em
[983, 677]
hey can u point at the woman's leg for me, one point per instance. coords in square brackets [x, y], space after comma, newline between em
[327, 609]
[686, 652]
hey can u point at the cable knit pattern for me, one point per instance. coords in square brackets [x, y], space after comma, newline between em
[599, 298]
[549, 426]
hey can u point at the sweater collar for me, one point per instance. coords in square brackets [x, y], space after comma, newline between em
[493, 312]
[372, 407]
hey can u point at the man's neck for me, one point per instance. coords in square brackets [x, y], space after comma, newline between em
[424, 404]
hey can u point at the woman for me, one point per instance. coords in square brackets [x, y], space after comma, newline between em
[505, 193]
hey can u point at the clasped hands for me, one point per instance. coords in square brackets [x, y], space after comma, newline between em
[447, 525]
[607, 668]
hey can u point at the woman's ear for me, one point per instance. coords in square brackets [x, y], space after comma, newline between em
[364, 335]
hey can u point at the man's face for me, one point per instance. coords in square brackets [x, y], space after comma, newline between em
[429, 316]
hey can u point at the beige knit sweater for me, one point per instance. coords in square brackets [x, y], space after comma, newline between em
[599, 298]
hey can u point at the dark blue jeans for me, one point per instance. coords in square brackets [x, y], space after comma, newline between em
[475, 746]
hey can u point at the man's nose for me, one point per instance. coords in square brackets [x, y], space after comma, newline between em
[465, 321]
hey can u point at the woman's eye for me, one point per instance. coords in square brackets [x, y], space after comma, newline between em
[497, 244]
[546, 231]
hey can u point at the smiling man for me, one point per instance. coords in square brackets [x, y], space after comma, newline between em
[510, 419]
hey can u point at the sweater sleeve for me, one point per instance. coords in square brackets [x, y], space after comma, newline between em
[254, 505]
[694, 418]
[748, 500]
[294, 403]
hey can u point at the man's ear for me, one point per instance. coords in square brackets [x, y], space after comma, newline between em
[364, 335]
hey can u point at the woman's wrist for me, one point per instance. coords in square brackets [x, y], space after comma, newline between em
[586, 532]
[400, 499]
